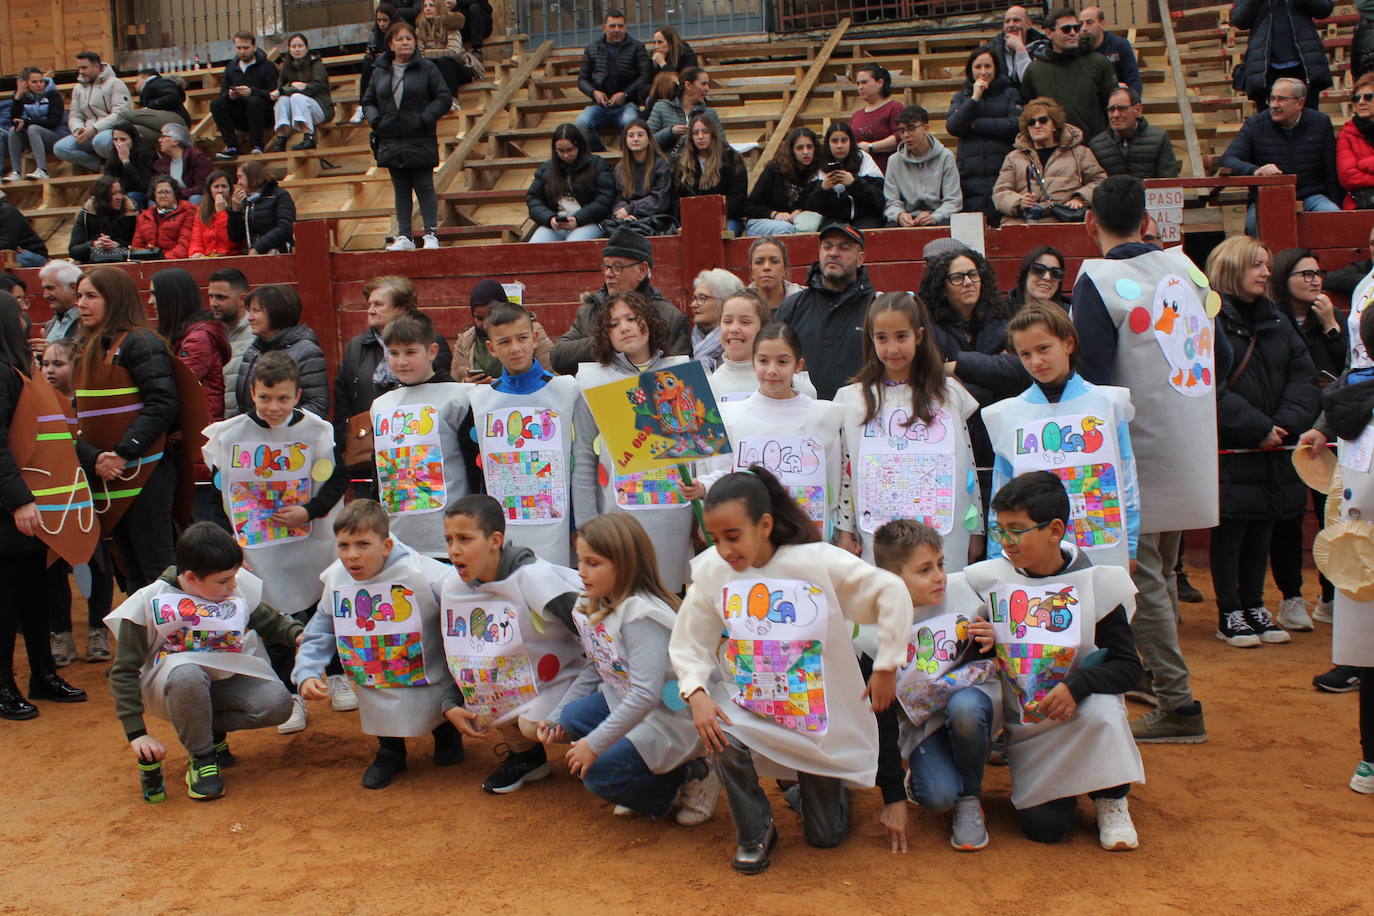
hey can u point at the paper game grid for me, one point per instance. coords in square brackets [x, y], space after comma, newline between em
[411, 479]
[1095, 518]
[921, 698]
[649, 489]
[493, 686]
[384, 659]
[252, 502]
[918, 486]
[193, 640]
[1034, 669]
[781, 680]
[531, 485]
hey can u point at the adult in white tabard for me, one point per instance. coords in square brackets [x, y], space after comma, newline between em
[1144, 318]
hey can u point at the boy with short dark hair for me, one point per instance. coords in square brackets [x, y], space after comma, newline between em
[524, 428]
[508, 631]
[415, 435]
[379, 609]
[1062, 633]
[190, 651]
[275, 467]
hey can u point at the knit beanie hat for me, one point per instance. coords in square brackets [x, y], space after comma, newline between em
[626, 243]
[486, 292]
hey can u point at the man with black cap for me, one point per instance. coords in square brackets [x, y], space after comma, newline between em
[627, 263]
[828, 315]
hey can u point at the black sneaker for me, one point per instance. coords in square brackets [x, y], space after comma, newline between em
[223, 755]
[278, 145]
[1187, 592]
[384, 768]
[203, 782]
[1264, 625]
[1234, 630]
[227, 154]
[448, 749]
[516, 769]
[1340, 679]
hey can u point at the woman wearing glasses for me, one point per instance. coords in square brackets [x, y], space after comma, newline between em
[709, 292]
[1355, 148]
[1040, 280]
[1050, 167]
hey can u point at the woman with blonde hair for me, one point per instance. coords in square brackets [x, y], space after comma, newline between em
[706, 165]
[1050, 174]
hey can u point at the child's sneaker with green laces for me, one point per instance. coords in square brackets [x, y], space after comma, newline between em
[1363, 779]
[223, 755]
[203, 782]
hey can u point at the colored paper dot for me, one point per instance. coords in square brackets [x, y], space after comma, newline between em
[1213, 304]
[473, 433]
[672, 696]
[1197, 276]
[548, 667]
[479, 460]
[219, 482]
[596, 444]
[1140, 320]
[321, 470]
[1128, 289]
[602, 477]
[972, 520]
[972, 483]
[855, 634]
[82, 574]
[1347, 493]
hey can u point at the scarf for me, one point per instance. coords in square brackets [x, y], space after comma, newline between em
[1365, 126]
[706, 347]
[383, 379]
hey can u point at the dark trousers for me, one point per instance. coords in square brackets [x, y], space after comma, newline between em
[824, 801]
[1240, 556]
[420, 182]
[145, 538]
[252, 115]
[1367, 713]
[209, 507]
[22, 609]
[1055, 820]
[283, 658]
[1288, 547]
[57, 590]
[445, 736]
[476, 24]
[454, 73]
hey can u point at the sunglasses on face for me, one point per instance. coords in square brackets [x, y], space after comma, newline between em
[1036, 122]
[1362, 97]
[1045, 270]
[1010, 537]
[1071, 28]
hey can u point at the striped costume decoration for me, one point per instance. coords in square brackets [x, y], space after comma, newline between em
[107, 402]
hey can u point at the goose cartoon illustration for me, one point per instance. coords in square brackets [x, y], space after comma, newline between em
[1167, 317]
[1091, 439]
[400, 607]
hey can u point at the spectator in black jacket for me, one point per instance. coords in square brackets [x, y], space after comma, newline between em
[670, 52]
[572, 191]
[477, 23]
[1113, 47]
[382, 19]
[18, 236]
[985, 117]
[262, 216]
[1129, 145]
[644, 178]
[848, 186]
[37, 116]
[245, 96]
[274, 315]
[1288, 139]
[1012, 47]
[775, 205]
[162, 100]
[1344, 280]
[707, 165]
[1039, 281]
[131, 161]
[615, 76]
[105, 222]
[1284, 42]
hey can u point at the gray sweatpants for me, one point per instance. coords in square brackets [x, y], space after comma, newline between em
[1156, 617]
[199, 706]
[824, 801]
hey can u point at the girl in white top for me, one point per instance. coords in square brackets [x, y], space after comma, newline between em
[793, 435]
[907, 451]
[742, 314]
[629, 745]
[792, 698]
[629, 337]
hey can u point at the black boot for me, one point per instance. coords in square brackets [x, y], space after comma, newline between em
[278, 145]
[389, 761]
[448, 745]
[48, 686]
[12, 703]
[307, 143]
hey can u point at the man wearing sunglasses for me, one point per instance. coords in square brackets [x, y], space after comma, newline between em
[1288, 139]
[1071, 73]
[1130, 145]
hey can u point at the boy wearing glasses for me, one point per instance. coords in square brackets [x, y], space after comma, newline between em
[1062, 635]
[1073, 74]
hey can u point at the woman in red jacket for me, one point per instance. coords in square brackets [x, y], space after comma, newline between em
[196, 337]
[168, 221]
[210, 227]
[1355, 147]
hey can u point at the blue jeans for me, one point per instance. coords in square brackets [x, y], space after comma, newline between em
[948, 765]
[580, 234]
[769, 227]
[90, 155]
[596, 118]
[29, 258]
[1312, 203]
[620, 775]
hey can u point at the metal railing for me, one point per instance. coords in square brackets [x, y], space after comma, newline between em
[575, 23]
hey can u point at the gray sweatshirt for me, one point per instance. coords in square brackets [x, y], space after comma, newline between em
[929, 182]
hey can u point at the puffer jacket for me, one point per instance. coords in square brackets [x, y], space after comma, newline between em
[92, 222]
[149, 363]
[1251, 77]
[830, 325]
[312, 72]
[100, 103]
[632, 69]
[212, 239]
[986, 130]
[404, 136]
[1072, 171]
[669, 113]
[165, 93]
[300, 343]
[1354, 161]
[1307, 151]
[1277, 387]
[169, 231]
[861, 204]
[204, 347]
[42, 111]
[267, 223]
[1147, 154]
[552, 181]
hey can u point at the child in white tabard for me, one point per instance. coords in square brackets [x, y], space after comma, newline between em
[1062, 632]
[742, 315]
[379, 610]
[419, 457]
[524, 426]
[792, 697]
[512, 647]
[190, 651]
[630, 746]
[281, 485]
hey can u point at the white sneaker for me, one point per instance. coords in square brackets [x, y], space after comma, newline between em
[357, 116]
[456, 106]
[622, 811]
[296, 721]
[1293, 614]
[341, 695]
[1322, 612]
[1115, 831]
[1363, 779]
[37, 175]
[431, 241]
[697, 799]
[12, 175]
[402, 243]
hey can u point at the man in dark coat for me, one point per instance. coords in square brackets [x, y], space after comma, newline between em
[162, 100]
[1113, 47]
[828, 315]
[1013, 45]
[615, 76]
[1283, 42]
[245, 96]
[1129, 145]
[18, 236]
[1071, 73]
[1344, 280]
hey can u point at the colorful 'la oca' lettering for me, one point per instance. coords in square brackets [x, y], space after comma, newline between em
[794, 456]
[900, 428]
[190, 611]
[1058, 440]
[1051, 612]
[404, 421]
[480, 626]
[761, 608]
[933, 648]
[264, 459]
[518, 428]
[366, 608]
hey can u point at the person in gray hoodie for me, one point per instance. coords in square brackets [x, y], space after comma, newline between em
[922, 182]
[99, 101]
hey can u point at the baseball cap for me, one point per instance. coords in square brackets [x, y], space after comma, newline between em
[848, 231]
